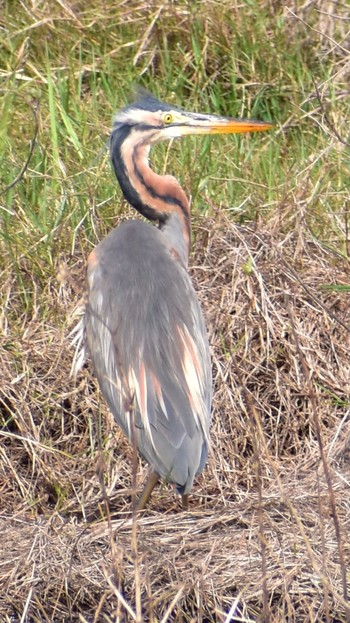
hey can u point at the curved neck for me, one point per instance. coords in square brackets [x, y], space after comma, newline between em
[158, 198]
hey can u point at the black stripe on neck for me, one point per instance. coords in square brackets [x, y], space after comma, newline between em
[131, 195]
[118, 137]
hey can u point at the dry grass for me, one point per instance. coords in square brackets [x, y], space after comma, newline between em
[266, 538]
[261, 534]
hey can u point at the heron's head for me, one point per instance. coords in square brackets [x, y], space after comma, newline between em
[155, 121]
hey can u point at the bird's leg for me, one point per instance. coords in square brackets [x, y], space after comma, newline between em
[185, 502]
[151, 482]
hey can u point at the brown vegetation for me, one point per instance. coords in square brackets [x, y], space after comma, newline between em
[262, 532]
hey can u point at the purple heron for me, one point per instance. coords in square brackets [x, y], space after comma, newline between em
[144, 327]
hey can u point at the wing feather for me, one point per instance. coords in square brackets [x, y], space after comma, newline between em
[149, 348]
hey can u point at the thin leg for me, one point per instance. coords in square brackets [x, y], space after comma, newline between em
[151, 482]
[185, 502]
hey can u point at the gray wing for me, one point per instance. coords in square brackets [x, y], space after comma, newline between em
[149, 347]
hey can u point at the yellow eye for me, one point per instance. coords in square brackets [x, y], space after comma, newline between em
[167, 117]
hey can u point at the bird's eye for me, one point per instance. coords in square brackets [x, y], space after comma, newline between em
[167, 118]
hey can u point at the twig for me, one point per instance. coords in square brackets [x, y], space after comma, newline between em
[325, 465]
[120, 597]
[323, 541]
[31, 150]
[315, 298]
[292, 510]
[147, 35]
[327, 119]
[254, 420]
[101, 468]
[134, 547]
[172, 605]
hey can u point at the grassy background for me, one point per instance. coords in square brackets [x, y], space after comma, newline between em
[66, 67]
